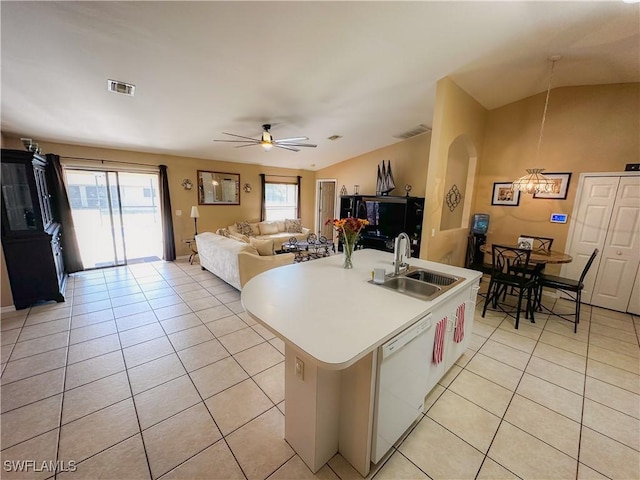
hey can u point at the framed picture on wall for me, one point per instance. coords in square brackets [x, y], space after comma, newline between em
[504, 195]
[560, 186]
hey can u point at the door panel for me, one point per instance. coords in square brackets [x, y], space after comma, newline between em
[326, 207]
[591, 224]
[621, 253]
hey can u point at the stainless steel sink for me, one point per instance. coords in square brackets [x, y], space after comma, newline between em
[412, 287]
[432, 277]
[422, 284]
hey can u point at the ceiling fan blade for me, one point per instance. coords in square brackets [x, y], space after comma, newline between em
[255, 142]
[240, 136]
[247, 145]
[279, 144]
[287, 147]
[292, 139]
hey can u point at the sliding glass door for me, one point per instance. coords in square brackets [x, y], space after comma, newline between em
[116, 216]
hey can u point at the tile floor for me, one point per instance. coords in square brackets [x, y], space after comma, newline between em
[155, 371]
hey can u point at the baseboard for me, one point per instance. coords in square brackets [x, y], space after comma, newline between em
[10, 308]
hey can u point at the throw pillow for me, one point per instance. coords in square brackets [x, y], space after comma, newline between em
[239, 237]
[223, 231]
[244, 228]
[264, 247]
[268, 228]
[292, 225]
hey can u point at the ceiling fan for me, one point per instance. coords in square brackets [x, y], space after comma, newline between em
[267, 141]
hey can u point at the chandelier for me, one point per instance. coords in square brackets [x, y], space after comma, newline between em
[535, 181]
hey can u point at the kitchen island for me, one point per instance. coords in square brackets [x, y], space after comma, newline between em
[333, 321]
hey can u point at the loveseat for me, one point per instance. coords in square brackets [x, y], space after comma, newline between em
[234, 261]
[280, 231]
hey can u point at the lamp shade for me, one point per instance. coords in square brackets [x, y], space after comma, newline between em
[534, 182]
[194, 212]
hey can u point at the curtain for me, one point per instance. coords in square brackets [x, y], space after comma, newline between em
[299, 207]
[62, 211]
[169, 248]
[263, 211]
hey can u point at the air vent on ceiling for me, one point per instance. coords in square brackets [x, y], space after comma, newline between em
[420, 129]
[116, 86]
[334, 137]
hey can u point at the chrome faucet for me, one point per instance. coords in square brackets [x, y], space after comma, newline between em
[400, 264]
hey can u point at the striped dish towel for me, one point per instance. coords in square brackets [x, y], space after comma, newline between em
[438, 345]
[458, 335]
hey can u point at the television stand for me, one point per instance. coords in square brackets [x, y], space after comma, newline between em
[388, 216]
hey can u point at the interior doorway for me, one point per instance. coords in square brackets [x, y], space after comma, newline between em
[326, 206]
[116, 216]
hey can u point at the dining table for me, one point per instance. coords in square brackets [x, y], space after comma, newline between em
[537, 256]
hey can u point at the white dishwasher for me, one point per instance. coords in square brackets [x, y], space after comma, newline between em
[403, 371]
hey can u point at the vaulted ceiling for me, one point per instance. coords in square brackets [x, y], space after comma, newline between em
[363, 70]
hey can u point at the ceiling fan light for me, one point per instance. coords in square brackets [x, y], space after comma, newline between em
[266, 145]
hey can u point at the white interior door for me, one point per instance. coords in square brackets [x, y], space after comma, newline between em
[621, 252]
[326, 207]
[591, 221]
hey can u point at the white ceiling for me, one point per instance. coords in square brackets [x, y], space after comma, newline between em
[366, 71]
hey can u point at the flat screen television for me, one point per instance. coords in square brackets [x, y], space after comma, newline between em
[386, 217]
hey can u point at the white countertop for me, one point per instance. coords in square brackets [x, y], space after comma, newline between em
[335, 315]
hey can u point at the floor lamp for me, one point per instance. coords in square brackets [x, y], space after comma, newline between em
[195, 215]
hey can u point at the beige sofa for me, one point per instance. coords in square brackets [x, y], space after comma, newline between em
[267, 230]
[233, 261]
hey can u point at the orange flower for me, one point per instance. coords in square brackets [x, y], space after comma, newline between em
[349, 228]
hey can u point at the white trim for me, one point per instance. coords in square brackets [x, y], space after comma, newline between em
[8, 309]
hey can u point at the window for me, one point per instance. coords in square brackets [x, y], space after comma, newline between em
[280, 201]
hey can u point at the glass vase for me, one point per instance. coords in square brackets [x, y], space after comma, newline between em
[348, 247]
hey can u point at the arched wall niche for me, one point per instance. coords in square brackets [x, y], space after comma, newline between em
[458, 186]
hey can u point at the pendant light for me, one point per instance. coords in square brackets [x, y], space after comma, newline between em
[535, 181]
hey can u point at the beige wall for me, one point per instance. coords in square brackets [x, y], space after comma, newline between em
[457, 118]
[6, 296]
[588, 129]
[409, 160]
[211, 216]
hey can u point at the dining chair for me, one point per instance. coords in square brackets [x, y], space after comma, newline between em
[540, 244]
[503, 277]
[573, 288]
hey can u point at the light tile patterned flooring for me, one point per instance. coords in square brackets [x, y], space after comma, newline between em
[155, 371]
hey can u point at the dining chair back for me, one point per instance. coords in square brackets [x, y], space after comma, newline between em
[573, 289]
[508, 267]
[540, 243]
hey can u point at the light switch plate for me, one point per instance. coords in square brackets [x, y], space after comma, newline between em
[178, 213]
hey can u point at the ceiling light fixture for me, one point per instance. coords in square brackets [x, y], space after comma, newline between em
[267, 141]
[534, 181]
